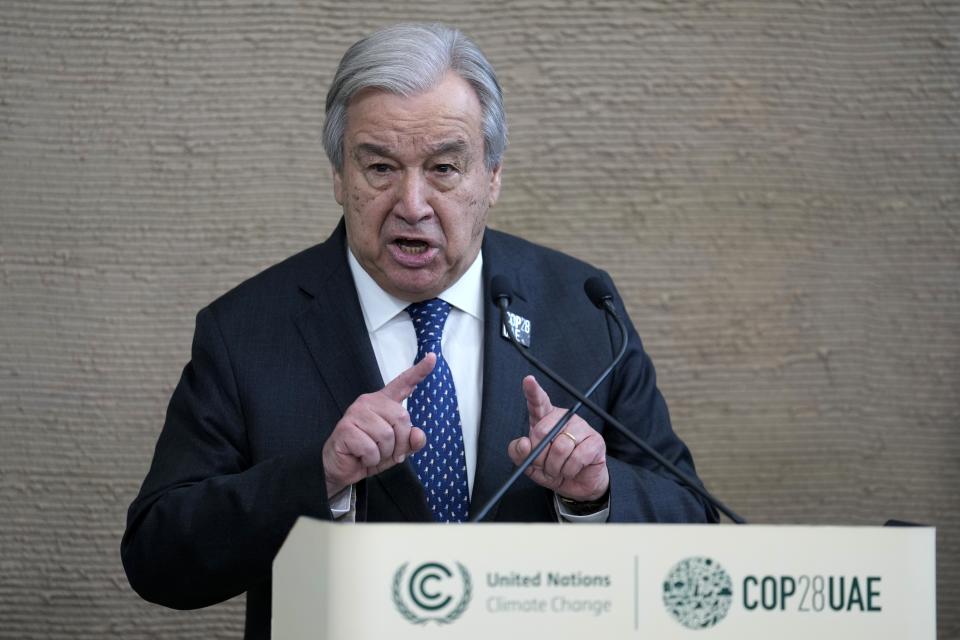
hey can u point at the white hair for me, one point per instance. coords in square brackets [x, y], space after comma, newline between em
[407, 59]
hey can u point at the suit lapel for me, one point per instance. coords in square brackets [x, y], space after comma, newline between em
[503, 413]
[332, 327]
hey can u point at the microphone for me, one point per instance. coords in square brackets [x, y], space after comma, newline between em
[500, 292]
[602, 297]
[598, 292]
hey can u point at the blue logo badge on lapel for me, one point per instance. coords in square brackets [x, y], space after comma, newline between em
[520, 326]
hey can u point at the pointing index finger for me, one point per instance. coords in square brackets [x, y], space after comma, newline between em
[404, 384]
[538, 402]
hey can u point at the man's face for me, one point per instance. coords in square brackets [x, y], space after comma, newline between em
[414, 188]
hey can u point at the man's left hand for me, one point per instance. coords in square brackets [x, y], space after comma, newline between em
[574, 465]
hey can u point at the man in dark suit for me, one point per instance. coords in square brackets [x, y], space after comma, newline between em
[300, 397]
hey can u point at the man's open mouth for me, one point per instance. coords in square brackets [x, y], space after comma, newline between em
[412, 247]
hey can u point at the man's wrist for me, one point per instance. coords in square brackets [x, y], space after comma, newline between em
[585, 507]
[334, 489]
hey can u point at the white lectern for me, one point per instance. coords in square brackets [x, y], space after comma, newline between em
[504, 581]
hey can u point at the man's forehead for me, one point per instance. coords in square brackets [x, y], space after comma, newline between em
[452, 146]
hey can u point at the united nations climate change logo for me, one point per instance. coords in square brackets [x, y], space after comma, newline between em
[697, 592]
[431, 591]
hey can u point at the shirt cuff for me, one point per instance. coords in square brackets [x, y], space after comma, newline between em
[564, 514]
[342, 505]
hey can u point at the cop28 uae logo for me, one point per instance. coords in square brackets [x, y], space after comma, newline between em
[431, 591]
[697, 592]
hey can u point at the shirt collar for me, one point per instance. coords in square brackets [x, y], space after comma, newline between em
[379, 307]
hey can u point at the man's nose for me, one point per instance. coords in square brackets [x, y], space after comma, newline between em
[414, 191]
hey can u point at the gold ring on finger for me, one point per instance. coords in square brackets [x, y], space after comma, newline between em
[570, 435]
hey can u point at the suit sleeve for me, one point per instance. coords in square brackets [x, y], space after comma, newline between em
[207, 523]
[641, 491]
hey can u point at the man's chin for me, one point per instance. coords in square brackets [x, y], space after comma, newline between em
[414, 287]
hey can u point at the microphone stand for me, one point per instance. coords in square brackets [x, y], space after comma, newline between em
[502, 302]
[686, 479]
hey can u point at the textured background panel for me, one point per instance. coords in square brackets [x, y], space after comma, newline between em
[773, 184]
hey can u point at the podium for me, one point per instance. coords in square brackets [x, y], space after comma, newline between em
[504, 581]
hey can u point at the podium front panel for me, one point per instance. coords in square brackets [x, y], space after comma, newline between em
[618, 581]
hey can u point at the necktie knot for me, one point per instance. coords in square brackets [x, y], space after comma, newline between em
[429, 317]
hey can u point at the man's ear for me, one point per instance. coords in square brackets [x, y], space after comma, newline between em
[495, 185]
[338, 187]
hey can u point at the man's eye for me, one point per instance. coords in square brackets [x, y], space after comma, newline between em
[381, 168]
[445, 169]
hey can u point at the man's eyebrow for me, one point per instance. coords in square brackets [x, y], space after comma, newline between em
[368, 148]
[453, 146]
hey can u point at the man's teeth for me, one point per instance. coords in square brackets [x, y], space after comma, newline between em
[412, 246]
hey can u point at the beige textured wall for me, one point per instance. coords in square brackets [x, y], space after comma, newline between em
[775, 186]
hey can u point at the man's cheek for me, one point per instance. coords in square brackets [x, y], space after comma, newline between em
[362, 208]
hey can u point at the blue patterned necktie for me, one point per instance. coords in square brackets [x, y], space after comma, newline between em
[441, 464]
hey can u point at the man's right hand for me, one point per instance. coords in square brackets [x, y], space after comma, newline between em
[375, 433]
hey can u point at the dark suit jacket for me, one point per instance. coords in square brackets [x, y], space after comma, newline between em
[276, 362]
